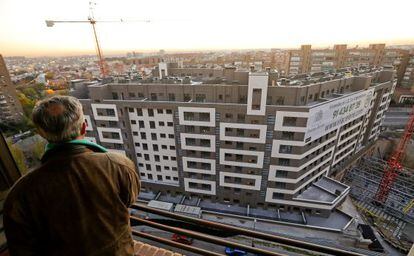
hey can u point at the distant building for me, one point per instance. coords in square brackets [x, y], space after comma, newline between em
[10, 107]
[257, 143]
[408, 78]
[305, 59]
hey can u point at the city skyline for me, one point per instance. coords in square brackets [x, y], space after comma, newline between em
[181, 26]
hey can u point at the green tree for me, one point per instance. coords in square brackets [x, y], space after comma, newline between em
[19, 157]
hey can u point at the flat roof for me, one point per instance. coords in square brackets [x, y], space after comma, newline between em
[316, 194]
[160, 205]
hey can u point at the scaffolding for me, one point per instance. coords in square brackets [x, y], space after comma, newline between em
[394, 214]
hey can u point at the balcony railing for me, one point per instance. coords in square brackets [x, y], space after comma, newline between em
[219, 228]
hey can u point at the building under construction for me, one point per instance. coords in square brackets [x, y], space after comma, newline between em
[395, 217]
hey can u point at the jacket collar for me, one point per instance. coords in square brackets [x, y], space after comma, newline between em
[70, 148]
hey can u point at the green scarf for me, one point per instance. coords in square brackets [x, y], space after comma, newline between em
[85, 142]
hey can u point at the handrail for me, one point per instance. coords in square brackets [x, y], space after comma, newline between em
[175, 244]
[248, 232]
[207, 238]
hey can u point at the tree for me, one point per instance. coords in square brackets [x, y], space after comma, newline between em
[19, 157]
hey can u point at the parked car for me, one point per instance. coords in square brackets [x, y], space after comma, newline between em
[234, 252]
[182, 239]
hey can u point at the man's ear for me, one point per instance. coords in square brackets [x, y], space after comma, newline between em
[83, 128]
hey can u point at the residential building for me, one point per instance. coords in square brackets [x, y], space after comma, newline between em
[408, 78]
[10, 107]
[258, 143]
[300, 60]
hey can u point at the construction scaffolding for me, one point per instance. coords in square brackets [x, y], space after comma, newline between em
[397, 212]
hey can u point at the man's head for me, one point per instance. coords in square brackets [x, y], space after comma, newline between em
[59, 119]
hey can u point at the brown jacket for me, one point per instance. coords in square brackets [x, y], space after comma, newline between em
[76, 203]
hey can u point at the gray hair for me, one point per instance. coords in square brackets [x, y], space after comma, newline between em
[59, 117]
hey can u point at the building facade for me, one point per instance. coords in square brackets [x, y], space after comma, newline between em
[10, 107]
[260, 144]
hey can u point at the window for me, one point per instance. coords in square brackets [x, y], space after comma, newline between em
[150, 112]
[170, 123]
[131, 95]
[288, 135]
[169, 111]
[153, 136]
[158, 168]
[190, 141]
[110, 112]
[141, 124]
[289, 121]
[149, 176]
[145, 146]
[162, 135]
[130, 110]
[164, 146]
[153, 96]
[159, 177]
[278, 196]
[229, 116]
[200, 98]
[204, 116]
[156, 158]
[114, 95]
[286, 149]
[139, 112]
[155, 147]
[137, 144]
[161, 123]
[135, 133]
[188, 116]
[173, 158]
[164, 157]
[143, 135]
[281, 174]
[133, 122]
[148, 167]
[146, 157]
[160, 111]
[187, 97]
[152, 124]
[171, 136]
[171, 97]
[172, 147]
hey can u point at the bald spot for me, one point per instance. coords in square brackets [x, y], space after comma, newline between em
[55, 109]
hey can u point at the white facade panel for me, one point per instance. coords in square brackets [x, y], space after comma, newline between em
[95, 108]
[261, 128]
[258, 154]
[101, 130]
[257, 180]
[88, 121]
[202, 191]
[212, 163]
[210, 123]
[257, 81]
[211, 138]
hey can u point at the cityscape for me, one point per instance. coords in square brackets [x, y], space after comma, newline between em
[286, 150]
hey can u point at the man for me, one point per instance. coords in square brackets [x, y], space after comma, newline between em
[76, 202]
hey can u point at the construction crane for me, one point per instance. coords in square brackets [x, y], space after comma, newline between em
[91, 20]
[393, 166]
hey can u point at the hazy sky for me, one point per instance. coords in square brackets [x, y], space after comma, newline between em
[197, 25]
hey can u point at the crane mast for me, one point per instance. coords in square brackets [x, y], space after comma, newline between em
[393, 166]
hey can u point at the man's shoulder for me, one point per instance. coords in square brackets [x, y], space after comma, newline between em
[118, 159]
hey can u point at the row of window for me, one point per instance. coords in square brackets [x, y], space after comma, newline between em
[141, 124]
[157, 158]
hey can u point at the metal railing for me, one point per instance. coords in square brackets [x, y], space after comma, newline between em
[290, 242]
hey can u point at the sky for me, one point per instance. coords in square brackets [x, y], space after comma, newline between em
[186, 25]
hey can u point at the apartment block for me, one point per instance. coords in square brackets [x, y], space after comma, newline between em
[10, 107]
[260, 144]
[305, 59]
[408, 77]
